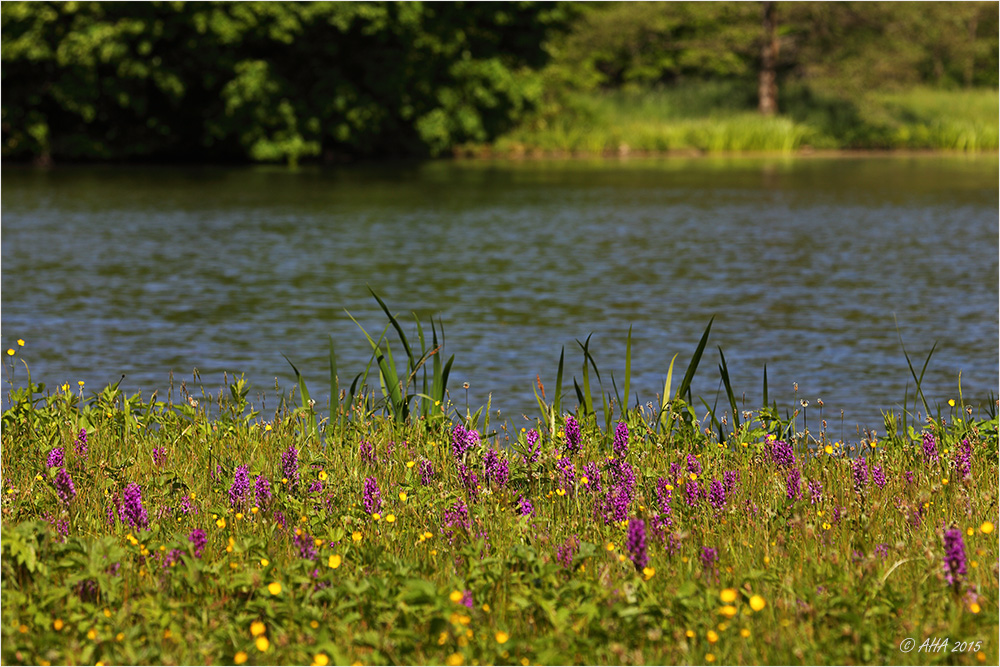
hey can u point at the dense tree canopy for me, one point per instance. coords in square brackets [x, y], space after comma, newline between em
[268, 80]
[287, 81]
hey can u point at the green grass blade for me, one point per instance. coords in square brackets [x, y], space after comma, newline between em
[665, 400]
[685, 387]
[724, 370]
[557, 397]
[396, 326]
[765, 385]
[304, 394]
[628, 370]
[334, 380]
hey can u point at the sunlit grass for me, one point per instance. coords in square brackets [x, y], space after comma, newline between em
[208, 531]
[716, 117]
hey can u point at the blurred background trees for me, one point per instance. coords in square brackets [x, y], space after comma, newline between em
[282, 81]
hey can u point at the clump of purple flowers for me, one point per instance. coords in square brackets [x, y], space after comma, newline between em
[262, 491]
[782, 454]
[694, 465]
[859, 475]
[730, 479]
[636, 543]
[456, 517]
[568, 472]
[367, 452]
[717, 495]
[524, 506]
[290, 466]
[63, 484]
[56, 458]
[135, 513]
[793, 484]
[467, 599]
[954, 557]
[572, 432]
[593, 475]
[198, 540]
[426, 472]
[239, 492]
[878, 476]
[692, 493]
[463, 440]
[566, 551]
[709, 557]
[815, 492]
[963, 459]
[930, 447]
[372, 496]
[496, 469]
[664, 496]
[534, 449]
[159, 457]
[620, 445]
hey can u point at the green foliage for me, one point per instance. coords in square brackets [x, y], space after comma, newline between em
[310, 577]
[267, 81]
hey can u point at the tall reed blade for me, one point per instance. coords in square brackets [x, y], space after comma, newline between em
[724, 370]
[685, 387]
[306, 401]
[665, 399]
[628, 371]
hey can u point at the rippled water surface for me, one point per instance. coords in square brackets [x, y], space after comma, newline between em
[806, 265]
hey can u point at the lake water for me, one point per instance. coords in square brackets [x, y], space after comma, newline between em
[806, 264]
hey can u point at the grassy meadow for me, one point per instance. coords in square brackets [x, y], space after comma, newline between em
[392, 527]
[720, 117]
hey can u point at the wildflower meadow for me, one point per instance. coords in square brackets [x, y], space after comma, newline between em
[392, 527]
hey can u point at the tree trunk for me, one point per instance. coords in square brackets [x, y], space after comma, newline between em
[768, 88]
[970, 67]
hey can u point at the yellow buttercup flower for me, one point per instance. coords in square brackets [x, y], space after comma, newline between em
[264, 562]
[757, 603]
[322, 475]
[10, 351]
[221, 523]
[262, 644]
[20, 342]
[58, 625]
[728, 611]
[712, 636]
[454, 659]
[728, 595]
[356, 536]
[986, 528]
[274, 588]
[402, 496]
[390, 518]
[745, 632]
[974, 608]
[951, 402]
[456, 596]
[647, 573]
[502, 637]
[240, 657]
[334, 561]
[257, 628]
[410, 464]
[320, 660]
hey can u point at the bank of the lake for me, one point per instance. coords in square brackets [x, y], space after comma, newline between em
[718, 118]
